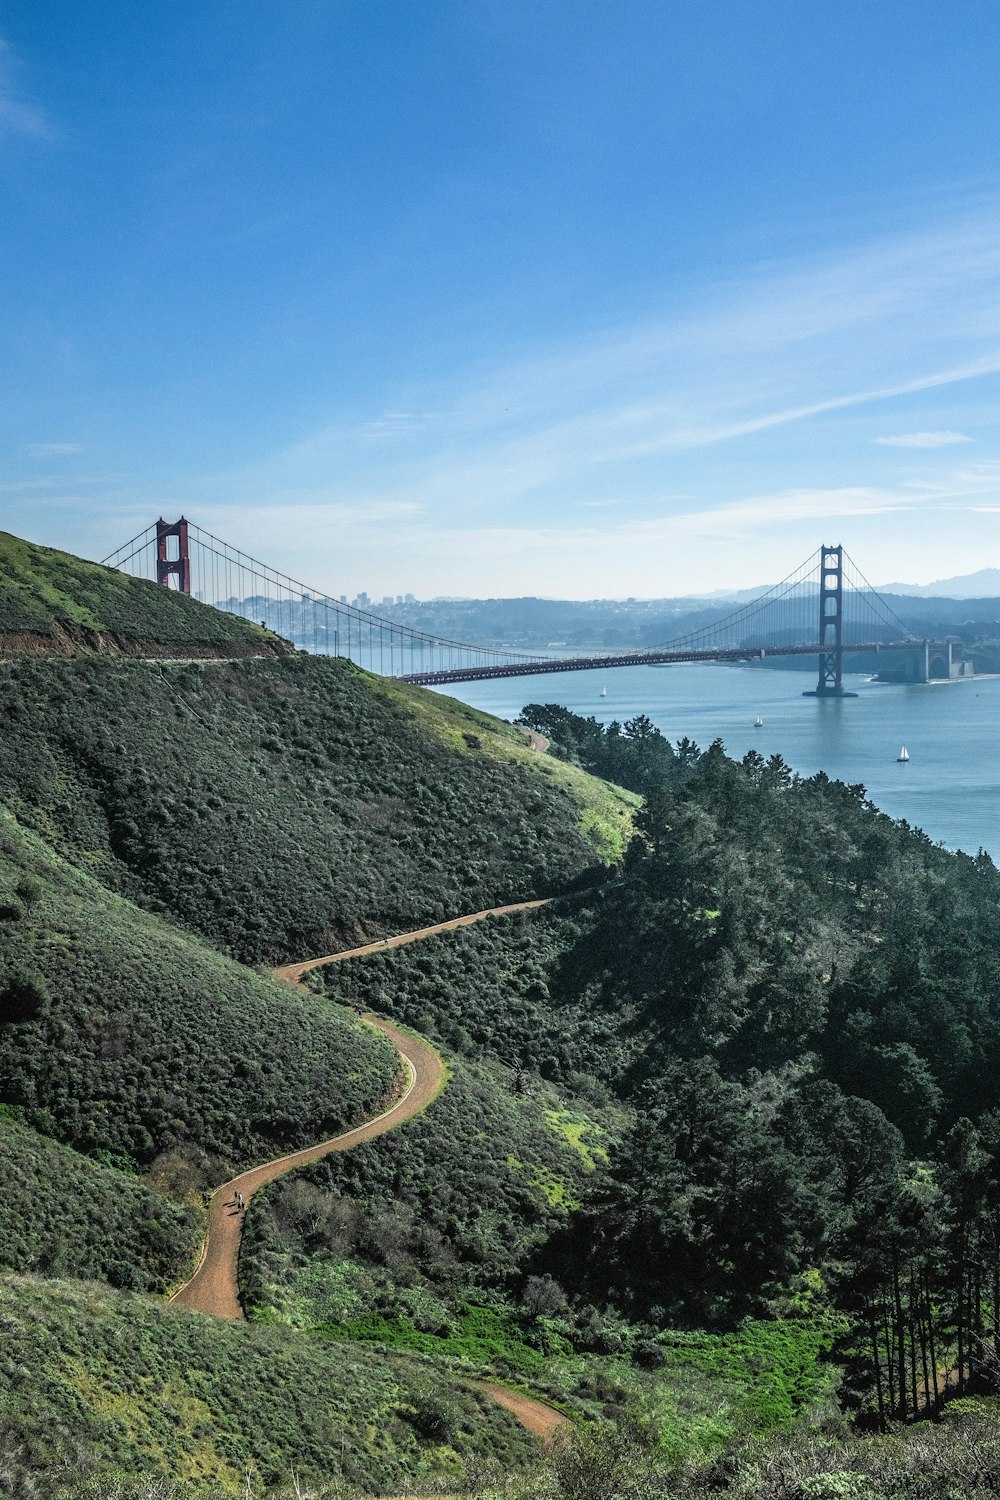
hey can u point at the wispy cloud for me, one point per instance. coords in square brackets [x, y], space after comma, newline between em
[53, 450]
[18, 114]
[923, 440]
[785, 345]
[751, 413]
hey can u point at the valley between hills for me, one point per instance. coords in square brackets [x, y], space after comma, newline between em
[612, 1118]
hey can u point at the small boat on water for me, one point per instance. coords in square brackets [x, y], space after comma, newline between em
[604, 692]
[904, 754]
[758, 723]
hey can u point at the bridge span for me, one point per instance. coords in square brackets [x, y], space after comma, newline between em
[825, 608]
[663, 658]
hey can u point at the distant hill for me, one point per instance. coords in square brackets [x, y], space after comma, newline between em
[575, 626]
[983, 584]
[53, 604]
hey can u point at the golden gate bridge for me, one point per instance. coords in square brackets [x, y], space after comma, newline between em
[825, 608]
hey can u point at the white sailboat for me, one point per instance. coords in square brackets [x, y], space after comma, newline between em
[904, 754]
[604, 692]
[758, 723]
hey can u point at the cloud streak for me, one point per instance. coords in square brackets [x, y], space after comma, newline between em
[923, 440]
[760, 412]
[18, 115]
[902, 319]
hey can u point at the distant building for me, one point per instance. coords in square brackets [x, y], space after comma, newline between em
[410, 599]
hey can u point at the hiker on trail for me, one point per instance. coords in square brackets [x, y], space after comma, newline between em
[240, 1205]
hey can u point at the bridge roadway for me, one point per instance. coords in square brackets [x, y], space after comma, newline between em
[641, 659]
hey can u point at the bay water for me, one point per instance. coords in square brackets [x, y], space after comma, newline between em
[950, 787]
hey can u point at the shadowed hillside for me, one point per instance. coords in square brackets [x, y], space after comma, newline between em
[292, 807]
[120, 1034]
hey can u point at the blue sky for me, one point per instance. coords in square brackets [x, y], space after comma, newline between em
[499, 297]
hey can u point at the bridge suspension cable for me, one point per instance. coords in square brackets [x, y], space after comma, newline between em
[765, 620]
[239, 584]
[824, 606]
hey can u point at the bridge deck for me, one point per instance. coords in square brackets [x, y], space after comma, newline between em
[638, 659]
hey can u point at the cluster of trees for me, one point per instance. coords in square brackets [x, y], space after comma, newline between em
[798, 1000]
[820, 987]
[634, 755]
[279, 808]
[920, 1278]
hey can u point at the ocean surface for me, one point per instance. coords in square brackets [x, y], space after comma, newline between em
[950, 787]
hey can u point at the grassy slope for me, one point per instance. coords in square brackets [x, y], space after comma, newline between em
[606, 811]
[145, 1041]
[151, 1389]
[62, 1214]
[54, 596]
[277, 807]
[288, 808]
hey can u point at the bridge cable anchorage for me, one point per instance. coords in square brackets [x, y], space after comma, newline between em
[825, 607]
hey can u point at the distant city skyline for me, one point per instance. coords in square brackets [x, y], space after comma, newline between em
[480, 299]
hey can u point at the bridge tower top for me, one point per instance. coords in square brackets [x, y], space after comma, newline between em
[178, 567]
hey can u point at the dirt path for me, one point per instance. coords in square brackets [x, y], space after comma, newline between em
[292, 973]
[214, 1287]
[540, 1419]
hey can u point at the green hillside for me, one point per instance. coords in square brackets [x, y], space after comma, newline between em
[721, 1133]
[456, 1203]
[797, 1001]
[97, 1384]
[63, 1214]
[52, 603]
[288, 808]
[120, 1034]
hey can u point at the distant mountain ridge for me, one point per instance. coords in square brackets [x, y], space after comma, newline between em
[983, 584]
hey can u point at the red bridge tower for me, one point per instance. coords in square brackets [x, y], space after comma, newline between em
[168, 567]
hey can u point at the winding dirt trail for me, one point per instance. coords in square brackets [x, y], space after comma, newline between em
[292, 973]
[214, 1287]
[542, 1420]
